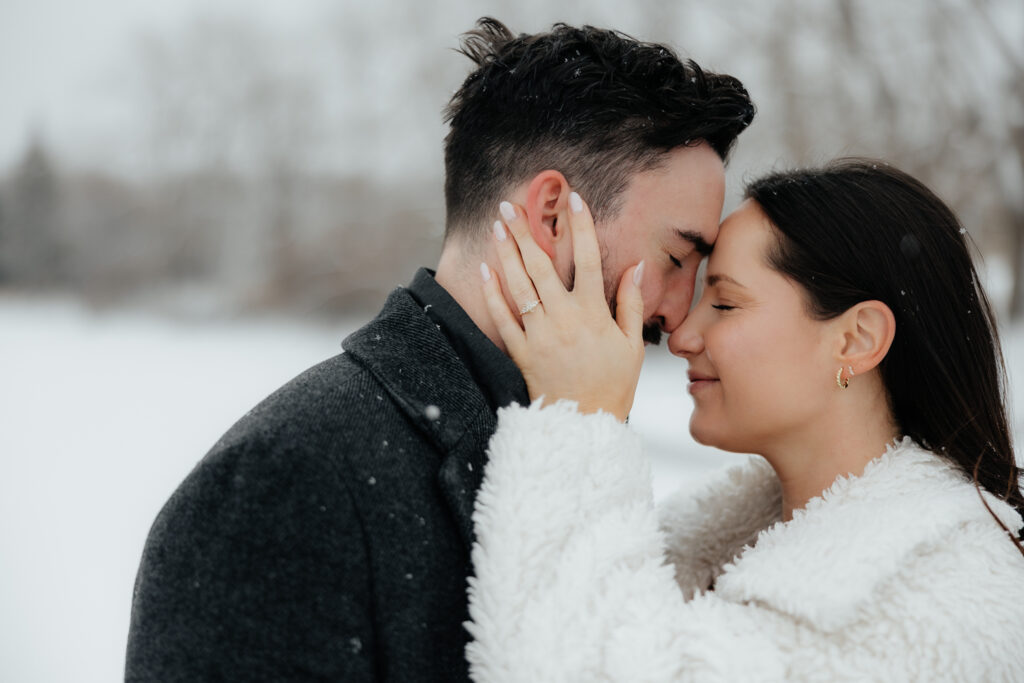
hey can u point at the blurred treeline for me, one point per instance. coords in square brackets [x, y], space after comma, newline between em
[302, 171]
[211, 241]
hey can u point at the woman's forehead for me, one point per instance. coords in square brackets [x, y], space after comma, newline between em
[743, 236]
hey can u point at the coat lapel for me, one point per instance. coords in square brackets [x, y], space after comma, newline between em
[407, 353]
[462, 471]
[856, 535]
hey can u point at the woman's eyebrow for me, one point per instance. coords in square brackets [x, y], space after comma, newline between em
[714, 278]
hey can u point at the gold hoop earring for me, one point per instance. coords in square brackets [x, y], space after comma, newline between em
[840, 382]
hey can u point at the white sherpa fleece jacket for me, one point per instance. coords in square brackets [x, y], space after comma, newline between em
[897, 575]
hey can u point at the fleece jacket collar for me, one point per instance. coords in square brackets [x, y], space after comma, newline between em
[840, 539]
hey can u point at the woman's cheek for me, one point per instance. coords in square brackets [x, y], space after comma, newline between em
[746, 358]
[725, 348]
[720, 418]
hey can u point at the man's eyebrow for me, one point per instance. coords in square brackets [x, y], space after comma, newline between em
[714, 278]
[702, 247]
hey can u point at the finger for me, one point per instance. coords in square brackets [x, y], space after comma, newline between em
[520, 286]
[538, 264]
[586, 251]
[508, 327]
[629, 313]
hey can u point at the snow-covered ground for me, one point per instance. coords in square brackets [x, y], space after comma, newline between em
[102, 415]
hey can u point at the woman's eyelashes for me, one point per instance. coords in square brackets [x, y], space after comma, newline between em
[675, 262]
[722, 307]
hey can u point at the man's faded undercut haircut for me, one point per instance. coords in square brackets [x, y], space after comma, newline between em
[595, 104]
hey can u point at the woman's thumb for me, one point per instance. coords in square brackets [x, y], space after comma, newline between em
[629, 312]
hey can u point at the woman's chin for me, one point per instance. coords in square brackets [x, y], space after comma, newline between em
[702, 432]
[717, 436]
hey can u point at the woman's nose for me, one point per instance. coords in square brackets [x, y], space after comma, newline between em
[687, 339]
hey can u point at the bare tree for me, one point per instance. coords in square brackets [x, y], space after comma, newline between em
[225, 107]
[933, 87]
[32, 246]
[1009, 176]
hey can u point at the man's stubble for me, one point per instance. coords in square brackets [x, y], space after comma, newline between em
[651, 329]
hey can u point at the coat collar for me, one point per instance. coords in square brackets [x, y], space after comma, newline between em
[413, 360]
[828, 560]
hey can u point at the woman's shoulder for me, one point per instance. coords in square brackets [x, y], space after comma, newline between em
[899, 570]
[911, 525]
[926, 489]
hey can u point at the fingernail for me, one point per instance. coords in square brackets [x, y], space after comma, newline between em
[508, 211]
[485, 272]
[638, 274]
[499, 231]
[575, 202]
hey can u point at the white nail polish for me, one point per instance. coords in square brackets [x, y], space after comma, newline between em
[499, 231]
[485, 272]
[638, 274]
[575, 202]
[508, 211]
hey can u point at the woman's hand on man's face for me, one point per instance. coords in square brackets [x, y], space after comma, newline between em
[566, 343]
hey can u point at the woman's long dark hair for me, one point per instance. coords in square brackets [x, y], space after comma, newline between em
[858, 230]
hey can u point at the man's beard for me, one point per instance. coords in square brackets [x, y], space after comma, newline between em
[651, 332]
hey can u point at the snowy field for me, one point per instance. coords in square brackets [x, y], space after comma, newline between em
[102, 415]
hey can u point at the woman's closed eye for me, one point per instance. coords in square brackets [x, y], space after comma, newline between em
[722, 307]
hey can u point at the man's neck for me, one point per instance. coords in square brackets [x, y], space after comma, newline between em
[461, 278]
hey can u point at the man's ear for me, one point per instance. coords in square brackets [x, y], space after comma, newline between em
[867, 331]
[547, 201]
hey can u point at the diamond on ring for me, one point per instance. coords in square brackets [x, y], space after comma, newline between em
[528, 306]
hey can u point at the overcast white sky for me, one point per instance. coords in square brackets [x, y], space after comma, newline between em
[66, 67]
[61, 60]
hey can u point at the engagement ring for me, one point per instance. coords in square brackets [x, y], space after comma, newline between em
[528, 306]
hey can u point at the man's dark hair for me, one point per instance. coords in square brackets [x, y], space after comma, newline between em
[595, 104]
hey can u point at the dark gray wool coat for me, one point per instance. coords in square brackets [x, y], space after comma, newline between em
[326, 536]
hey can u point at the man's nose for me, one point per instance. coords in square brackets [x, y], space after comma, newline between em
[675, 304]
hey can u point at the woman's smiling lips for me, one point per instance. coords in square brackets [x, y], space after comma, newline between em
[699, 381]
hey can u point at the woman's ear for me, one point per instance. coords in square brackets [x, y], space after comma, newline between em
[867, 331]
[547, 200]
